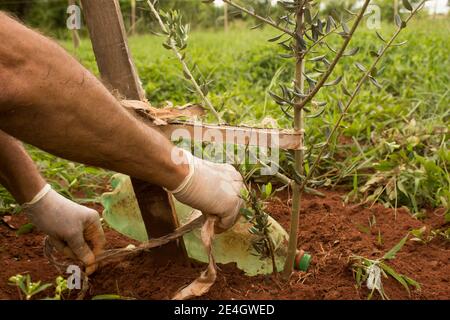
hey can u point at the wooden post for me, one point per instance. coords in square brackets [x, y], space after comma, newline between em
[107, 32]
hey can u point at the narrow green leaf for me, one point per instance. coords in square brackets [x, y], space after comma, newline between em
[25, 228]
[334, 82]
[360, 67]
[355, 181]
[391, 253]
[399, 22]
[345, 91]
[279, 100]
[358, 277]
[412, 282]
[268, 189]
[379, 36]
[286, 56]
[330, 48]
[407, 5]
[318, 58]
[375, 82]
[350, 12]
[317, 114]
[374, 53]
[341, 106]
[285, 46]
[276, 38]
[319, 103]
[345, 27]
[399, 44]
[256, 26]
[328, 25]
[186, 75]
[286, 111]
[395, 275]
[41, 288]
[351, 52]
[307, 16]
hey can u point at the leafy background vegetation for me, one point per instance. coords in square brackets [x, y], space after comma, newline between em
[393, 147]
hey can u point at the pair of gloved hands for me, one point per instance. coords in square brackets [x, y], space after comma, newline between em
[76, 231]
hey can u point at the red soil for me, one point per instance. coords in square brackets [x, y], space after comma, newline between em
[329, 230]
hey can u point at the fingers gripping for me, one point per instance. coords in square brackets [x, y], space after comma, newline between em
[95, 237]
[83, 247]
[62, 247]
[82, 251]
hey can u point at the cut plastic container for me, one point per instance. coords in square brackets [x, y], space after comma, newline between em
[235, 245]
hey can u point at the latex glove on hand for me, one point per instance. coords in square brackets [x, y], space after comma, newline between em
[212, 188]
[70, 226]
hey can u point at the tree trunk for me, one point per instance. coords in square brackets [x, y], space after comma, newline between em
[299, 154]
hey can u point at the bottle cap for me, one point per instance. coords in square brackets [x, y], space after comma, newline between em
[302, 260]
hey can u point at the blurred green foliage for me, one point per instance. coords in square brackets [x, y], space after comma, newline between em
[394, 136]
[50, 15]
[398, 131]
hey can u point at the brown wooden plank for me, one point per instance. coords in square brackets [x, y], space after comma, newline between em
[248, 136]
[167, 121]
[107, 32]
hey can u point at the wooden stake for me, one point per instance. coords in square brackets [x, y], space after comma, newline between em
[106, 28]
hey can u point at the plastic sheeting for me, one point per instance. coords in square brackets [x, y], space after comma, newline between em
[235, 245]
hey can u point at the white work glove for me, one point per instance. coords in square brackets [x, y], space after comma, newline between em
[212, 188]
[70, 226]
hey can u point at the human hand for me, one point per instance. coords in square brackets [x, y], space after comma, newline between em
[73, 229]
[212, 188]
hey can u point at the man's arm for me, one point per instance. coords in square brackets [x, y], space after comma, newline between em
[51, 101]
[70, 226]
[18, 173]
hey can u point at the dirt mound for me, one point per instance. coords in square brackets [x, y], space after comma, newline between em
[329, 230]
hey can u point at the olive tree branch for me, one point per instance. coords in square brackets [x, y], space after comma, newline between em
[265, 20]
[288, 181]
[300, 188]
[338, 56]
[322, 38]
[299, 122]
[297, 188]
[353, 96]
[186, 69]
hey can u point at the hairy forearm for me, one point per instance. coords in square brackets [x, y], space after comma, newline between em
[18, 173]
[51, 101]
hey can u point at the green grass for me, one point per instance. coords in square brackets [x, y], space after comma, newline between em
[395, 139]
